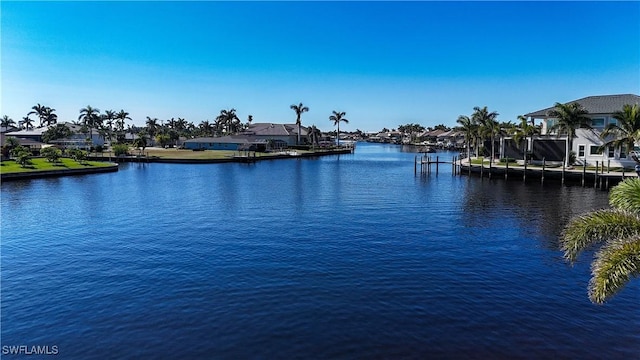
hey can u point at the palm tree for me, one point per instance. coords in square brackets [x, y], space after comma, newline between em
[88, 116]
[488, 124]
[27, 123]
[108, 117]
[299, 109]
[49, 117]
[626, 132]
[121, 117]
[228, 121]
[569, 117]
[618, 230]
[206, 128]
[39, 110]
[152, 126]
[470, 130]
[523, 132]
[7, 121]
[338, 117]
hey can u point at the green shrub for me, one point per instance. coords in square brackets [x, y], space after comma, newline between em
[120, 149]
[22, 155]
[52, 154]
[507, 160]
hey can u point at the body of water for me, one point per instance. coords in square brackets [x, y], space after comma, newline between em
[348, 256]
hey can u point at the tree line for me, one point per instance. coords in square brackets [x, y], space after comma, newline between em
[113, 124]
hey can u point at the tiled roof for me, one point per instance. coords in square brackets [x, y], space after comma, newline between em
[601, 104]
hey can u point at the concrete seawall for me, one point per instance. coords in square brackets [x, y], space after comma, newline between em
[54, 173]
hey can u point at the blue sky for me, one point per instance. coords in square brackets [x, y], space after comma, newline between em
[383, 63]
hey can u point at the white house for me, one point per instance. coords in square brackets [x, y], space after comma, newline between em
[78, 139]
[587, 143]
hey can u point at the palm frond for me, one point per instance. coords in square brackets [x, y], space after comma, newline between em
[614, 265]
[626, 195]
[596, 227]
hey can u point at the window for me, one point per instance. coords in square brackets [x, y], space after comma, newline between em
[623, 152]
[595, 150]
[613, 121]
[580, 150]
[610, 152]
[597, 122]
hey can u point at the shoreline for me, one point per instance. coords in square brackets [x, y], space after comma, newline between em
[113, 161]
[229, 159]
[113, 167]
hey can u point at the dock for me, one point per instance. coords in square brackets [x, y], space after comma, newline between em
[601, 176]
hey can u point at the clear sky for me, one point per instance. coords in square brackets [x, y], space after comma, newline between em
[383, 63]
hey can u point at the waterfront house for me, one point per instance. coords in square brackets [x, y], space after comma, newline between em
[231, 142]
[77, 139]
[587, 144]
[285, 134]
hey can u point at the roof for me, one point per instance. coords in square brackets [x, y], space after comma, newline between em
[21, 141]
[270, 129]
[4, 129]
[601, 104]
[38, 131]
[232, 139]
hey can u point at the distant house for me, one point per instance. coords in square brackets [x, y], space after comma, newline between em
[587, 144]
[285, 133]
[78, 139]
[32, 145]
[232, 142]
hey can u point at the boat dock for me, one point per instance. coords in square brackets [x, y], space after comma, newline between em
[601, 176]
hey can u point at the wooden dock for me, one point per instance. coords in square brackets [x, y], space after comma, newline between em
[601, 176]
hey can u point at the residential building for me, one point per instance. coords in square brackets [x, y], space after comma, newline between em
[587, 145]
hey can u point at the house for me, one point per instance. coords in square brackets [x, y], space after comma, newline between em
[587, 145]
[30, 144]
[282, 133]
[232, 142]
[77, 139]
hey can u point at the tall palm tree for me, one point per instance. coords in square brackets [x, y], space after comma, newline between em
[109, 117]
[299, 109]
[524, 131]
[569, 117]
[206, 128]
[7, 121]
[618, 230]
[488, 124]
[88, 116]
[121, 117]
[26, 123]
[337, 118]
[152, 126]
[40, 111]
[228, 121]
[49, 117]
[626, 132]
[469, 129]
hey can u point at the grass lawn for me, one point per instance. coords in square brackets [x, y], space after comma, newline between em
[41, 164]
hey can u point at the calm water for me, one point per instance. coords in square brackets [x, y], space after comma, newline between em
[337, 257]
